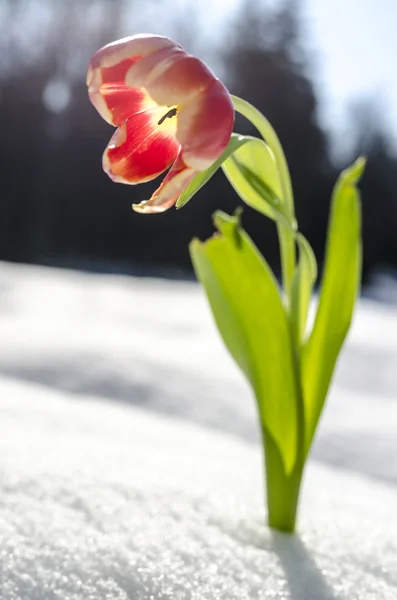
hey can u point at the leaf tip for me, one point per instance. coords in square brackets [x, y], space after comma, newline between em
[229, 225]
[353, 174]
[182, 200]
[195, 243]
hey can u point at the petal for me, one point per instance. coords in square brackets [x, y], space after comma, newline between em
[140, 150]
[140, 70]
[171, 76]
[205, 125]
[127, 48]
[108, 91]
[116, 102]
[170, 189]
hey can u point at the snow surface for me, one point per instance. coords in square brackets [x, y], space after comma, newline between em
[159, 495]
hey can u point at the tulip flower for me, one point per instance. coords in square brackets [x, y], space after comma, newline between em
[169, 109]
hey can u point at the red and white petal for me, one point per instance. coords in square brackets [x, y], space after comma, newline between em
[116, 102]
[171, 76]
[139, 150]
[141, 70]
[129, 47]
[106, 77]
[170, 189]
[204, 126]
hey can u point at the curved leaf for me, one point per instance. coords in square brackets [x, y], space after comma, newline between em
[252, 171]
[248, 310]
[340, 284]
[269, 135]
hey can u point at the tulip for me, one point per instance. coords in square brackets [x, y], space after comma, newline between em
[169, 109]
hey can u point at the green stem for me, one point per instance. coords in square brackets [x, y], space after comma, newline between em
[288, 258]
[282, 490]
[286, 235]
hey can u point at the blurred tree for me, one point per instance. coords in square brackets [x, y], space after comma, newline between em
[45, 48]
[56, 204]
[378, 187]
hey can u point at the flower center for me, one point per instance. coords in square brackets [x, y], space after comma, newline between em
[171, 113]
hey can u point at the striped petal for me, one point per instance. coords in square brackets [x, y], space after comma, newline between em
[205, 126]
[140, 149]
[171, 76]
[170, 189]
[112, 98]
[128, 47]
[106, 77]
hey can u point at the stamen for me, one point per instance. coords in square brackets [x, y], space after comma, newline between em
[171, 113]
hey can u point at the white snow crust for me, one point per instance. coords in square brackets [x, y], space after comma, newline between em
[129, 462]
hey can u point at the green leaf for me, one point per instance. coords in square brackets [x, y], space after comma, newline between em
[248, 310]
[236, 141]
[269, 135]
[340, 285]
[302, 286]
[253, 173]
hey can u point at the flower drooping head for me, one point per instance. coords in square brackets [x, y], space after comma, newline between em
[169, 109]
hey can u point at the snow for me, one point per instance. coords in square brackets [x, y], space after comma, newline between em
[130, 467]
